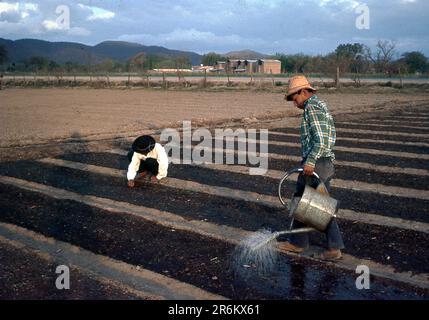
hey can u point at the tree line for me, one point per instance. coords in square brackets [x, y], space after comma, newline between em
[348, 58]
[354, 59]
[140, 63]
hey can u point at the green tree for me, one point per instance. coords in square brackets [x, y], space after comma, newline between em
[351, 57]
[70, 66]
[211, 58]
[53, 66]
[107, 65]
[350, 50]
[415, 61]
[138, 62]
[3, 55]
[36, 63]
[296, 63]
[182, 62]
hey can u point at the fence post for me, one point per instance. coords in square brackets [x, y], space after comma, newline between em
[400, 78]
[337, 78]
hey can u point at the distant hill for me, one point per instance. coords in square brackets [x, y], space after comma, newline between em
[245, 54]
[62, 52]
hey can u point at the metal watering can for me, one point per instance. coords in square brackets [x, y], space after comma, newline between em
[315, 208]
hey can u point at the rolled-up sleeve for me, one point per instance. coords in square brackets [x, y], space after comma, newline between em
[162, 159]
[133, 167]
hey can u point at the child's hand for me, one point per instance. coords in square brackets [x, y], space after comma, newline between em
[154, 179]
[131, 184]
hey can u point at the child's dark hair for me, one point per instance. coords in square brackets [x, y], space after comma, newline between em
[143, 144]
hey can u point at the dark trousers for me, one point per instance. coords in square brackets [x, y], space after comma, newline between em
[325, 169]
[151, 165]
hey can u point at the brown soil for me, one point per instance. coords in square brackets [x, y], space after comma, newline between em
[33, 116]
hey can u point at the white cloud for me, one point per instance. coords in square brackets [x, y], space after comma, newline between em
[29, 6]
[347, 4]
[8, 28]
[13, 11]
[270, 4]
[97, 13]
[51, 25]
[6, 7]
[198, 41]
[180, 35]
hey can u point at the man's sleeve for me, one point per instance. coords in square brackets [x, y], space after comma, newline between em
[162, 162]
[133, 167]
[318, 132]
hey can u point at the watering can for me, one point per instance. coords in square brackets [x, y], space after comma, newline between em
[315, 208]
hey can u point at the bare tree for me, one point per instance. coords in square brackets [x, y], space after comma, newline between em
[383, 56]
[140, 61]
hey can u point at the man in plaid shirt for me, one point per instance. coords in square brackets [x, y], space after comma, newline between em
[317, 140]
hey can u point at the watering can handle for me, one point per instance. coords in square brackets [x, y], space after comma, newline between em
[295, 170]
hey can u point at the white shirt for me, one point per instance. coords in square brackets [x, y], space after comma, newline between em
[158, 153]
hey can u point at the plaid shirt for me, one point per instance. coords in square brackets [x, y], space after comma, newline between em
[317, 131]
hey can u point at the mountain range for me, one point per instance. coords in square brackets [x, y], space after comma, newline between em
[121, 51]
[246, 54]
[62, 52]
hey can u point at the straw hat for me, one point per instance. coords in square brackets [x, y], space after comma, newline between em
[297, 83]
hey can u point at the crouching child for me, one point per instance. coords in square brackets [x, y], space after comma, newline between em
[147, 157]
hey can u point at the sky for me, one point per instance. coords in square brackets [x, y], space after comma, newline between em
[267, 26]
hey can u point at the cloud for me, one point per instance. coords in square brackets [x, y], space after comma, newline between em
[15, 11]
[348, 4]
[189, 39]
[97, 13]
[51, 25]
[268, 26]
[6, 7]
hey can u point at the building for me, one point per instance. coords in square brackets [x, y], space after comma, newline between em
[251, 65]
[202, 68]
[268, 66]
[220, 66]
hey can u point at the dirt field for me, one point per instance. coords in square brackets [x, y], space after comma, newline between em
[35, 116]
[177, 239]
